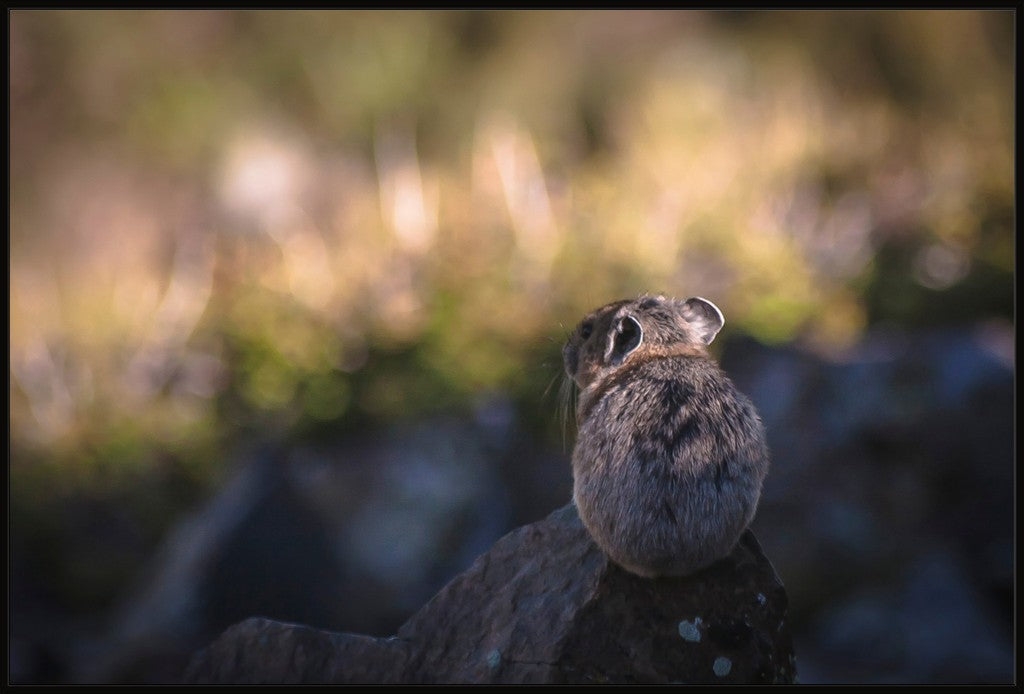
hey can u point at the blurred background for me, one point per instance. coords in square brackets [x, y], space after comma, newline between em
[288, 292]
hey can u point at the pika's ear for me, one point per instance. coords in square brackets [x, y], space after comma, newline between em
[704, 317]
[624, 337]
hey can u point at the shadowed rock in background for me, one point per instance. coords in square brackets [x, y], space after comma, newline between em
[544, 605]
[293, 532]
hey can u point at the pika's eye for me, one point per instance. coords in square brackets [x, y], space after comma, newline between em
[586, 329]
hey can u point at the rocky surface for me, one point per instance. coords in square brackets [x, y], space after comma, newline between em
[263, 651]
[542, 606]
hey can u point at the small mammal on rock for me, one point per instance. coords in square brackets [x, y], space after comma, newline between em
[669, 457]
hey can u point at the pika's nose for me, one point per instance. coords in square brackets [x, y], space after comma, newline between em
[570, 355]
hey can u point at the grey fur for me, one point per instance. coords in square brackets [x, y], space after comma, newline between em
[670, 457]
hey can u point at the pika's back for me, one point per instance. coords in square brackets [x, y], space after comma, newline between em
[670, 456]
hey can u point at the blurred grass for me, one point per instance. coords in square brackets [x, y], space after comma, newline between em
[291, 224]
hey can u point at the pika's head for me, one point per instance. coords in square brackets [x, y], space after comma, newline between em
[616, 334]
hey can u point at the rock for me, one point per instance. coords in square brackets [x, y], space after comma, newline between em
[544, 605]
[263, 651]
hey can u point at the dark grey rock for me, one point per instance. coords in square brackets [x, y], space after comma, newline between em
[544, 605]
[263, 651]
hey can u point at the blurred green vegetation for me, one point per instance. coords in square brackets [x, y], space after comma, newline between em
[228, 226]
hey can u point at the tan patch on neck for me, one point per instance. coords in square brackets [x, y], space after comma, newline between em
[593, 393]
[676, 350]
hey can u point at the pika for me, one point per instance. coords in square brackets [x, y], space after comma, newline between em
[670, 457]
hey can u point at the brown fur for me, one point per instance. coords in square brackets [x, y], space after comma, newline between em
[670, 457]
